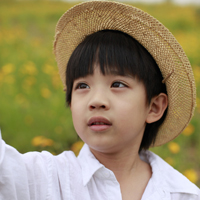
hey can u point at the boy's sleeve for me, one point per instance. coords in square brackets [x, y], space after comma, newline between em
[22, 176]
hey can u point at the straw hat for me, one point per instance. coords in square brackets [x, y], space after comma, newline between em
[89, 17]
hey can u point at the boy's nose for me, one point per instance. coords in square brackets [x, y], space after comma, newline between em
[94, 106]
[99, 101]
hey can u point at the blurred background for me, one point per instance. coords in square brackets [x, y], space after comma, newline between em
[33, 112]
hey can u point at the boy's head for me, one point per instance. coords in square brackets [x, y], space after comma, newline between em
[97, 17]
[117, 53]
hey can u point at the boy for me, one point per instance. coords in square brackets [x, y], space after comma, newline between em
[124, 98]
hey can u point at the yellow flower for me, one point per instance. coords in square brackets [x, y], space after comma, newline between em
[76, 147]
[47, 142]
[42, 141]
[174, 147]
[7, 69]
[36, 42]
[188, 130]
[36, 141]
[196, 71]
[30, 81]
[191, 174]
[45, 92]
[48, 69]
[29, 68]
[56, 81]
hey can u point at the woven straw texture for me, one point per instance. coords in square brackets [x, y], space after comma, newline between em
[89, 17]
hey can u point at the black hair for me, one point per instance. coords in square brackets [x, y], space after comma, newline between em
[117, 51]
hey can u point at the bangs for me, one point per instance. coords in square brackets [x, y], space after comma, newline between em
[116, 53]
[111, 50]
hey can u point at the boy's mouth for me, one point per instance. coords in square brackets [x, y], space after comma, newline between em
[99, 124]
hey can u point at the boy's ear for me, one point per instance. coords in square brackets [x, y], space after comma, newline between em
[157, 107]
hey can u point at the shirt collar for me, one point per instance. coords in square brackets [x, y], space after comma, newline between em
[89, 164]
[165, 178]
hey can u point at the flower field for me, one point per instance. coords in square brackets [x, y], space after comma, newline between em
[33, 112]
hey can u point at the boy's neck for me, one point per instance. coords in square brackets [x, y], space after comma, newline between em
[123, 163]
[131, 172]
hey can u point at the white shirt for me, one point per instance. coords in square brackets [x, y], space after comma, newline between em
[42, 176]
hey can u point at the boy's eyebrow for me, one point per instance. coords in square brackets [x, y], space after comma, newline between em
[117, 73]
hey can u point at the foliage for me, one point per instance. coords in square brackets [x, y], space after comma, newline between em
[33, 112]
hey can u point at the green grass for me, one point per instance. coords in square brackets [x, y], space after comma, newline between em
[32, 102]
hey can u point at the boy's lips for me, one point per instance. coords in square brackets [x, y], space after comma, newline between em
[99, 123]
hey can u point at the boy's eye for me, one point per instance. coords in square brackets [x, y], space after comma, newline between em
[82, 86]
[118, 84]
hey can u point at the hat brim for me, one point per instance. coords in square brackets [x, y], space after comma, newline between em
[90, 17]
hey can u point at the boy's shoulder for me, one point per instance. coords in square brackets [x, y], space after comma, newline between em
[168, 178]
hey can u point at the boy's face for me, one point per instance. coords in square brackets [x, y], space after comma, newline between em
[109, 111]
